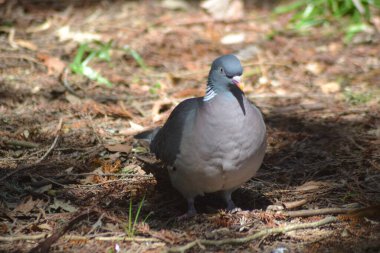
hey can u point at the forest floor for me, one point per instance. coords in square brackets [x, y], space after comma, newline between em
[71, 173]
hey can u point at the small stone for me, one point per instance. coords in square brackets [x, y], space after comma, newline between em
[330, 87]
[314, 68]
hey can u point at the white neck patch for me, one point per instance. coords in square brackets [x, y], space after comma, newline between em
[210, 94]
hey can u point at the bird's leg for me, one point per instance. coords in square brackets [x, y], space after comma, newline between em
[191, 211]
[228, 199]
[230, 204]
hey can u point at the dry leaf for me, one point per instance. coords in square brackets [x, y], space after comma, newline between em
[45, 226]
[66, 206]
[53, 64]
[175, 4]
[26, 206]
[224, 9]
[234, 38]
[124, 148]
[64, 34]
[315, 68]
[189, 92]
[44, 188]
[111, 167]
[3, 228]
[90, 179]
[330, 87]
[310, 186]
[26, 44]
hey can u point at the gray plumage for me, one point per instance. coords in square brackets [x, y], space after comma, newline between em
[214, 143]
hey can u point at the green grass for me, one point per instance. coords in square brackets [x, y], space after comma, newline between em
[86, 53]
[356, 98]
[99, 51]
[355, 15]
[132, 222]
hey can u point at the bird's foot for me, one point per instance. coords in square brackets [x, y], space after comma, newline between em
[235, 210]
[188, 215]
[191, 211]
[232, 207]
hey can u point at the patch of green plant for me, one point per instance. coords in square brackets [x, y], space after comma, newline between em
[309, 13]
[100, 51]
[136, 56]
[154, 89]
[132, 222]
[356, 98]
[126, 170]
[139, 150]
[87, 53]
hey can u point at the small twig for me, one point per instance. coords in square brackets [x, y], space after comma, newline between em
[323, 211]
[20, 56]
[77, 237]
[264, 232]
[67, 85]
[359, 6]
[91, 123]
[295, 204]
[44, 246]
[108, 174]
[103, 183]
[54, 142]
[52, 181]
[16, 171]
[355, 143]
[97, 224]
[25, 144]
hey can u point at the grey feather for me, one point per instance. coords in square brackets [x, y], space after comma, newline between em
[166, 143]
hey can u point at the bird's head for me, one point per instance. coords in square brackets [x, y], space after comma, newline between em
[225, 78]
[225, 73]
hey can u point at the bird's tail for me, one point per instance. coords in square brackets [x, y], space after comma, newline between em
[147, 135]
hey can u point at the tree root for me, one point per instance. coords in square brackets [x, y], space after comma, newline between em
[264, 232]
[323, 211]
[77, 238]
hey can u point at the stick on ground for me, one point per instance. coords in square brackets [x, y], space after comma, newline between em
[261, 233]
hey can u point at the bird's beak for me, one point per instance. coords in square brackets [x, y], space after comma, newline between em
[237, 81]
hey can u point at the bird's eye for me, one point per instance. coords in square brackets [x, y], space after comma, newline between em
[221, 70]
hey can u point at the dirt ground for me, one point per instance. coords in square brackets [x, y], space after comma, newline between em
[71, 173]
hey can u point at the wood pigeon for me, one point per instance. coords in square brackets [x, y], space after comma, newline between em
[213, 143]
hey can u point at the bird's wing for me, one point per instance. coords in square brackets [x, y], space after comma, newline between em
[166, 143]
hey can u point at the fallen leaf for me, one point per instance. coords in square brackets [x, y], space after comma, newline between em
[314, 68]
[53, 64]
[234, 38]
[44, 188]
[111, 167]
[133, 129]
[175, 4]
[3, 228]
[64, 33]
[310, 186]
[66, 206]
[330, 87]
[189, 92]
[124, 148]
[90, 179]
[39, 28]
[26, 44]
[26, 206]
[224, 9]
[45, 226]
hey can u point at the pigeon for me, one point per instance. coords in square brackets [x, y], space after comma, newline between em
[213, 143]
